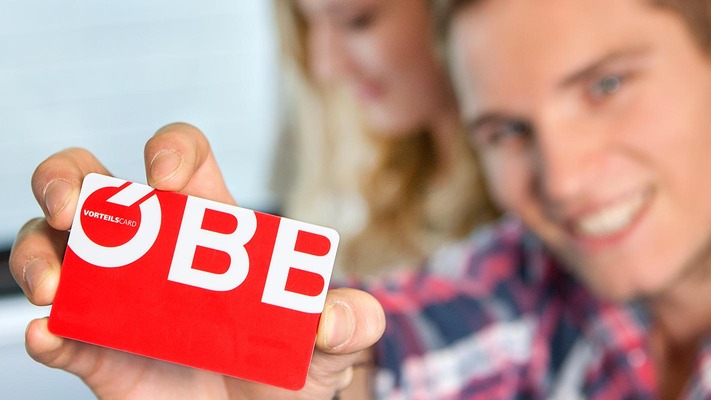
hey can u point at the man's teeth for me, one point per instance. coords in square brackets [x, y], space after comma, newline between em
[610, 219]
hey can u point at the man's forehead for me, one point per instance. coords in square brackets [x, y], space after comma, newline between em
[534, 32]
[498, 46]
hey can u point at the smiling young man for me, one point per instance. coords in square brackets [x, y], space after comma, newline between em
[593, 121]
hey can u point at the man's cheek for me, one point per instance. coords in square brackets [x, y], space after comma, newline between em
[507, 185]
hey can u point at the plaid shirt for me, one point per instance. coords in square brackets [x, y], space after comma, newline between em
[493, 317]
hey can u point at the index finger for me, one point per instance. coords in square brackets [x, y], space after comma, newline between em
[179, 159]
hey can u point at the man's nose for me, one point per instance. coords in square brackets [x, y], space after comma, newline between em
[566, 158]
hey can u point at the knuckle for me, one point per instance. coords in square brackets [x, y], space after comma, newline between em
[23, 243]
[69, 165]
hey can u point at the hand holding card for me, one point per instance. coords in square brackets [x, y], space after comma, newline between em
[193, 281]
[350, 323]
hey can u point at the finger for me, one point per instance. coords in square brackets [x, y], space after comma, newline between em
[116, 374]
[53, 351]
[56, 183]
[361, 385]
[179, 159]
[351, 323]
[35, 260]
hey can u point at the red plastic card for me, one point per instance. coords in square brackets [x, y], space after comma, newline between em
[194, 282]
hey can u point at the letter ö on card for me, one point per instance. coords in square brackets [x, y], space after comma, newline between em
[193, 281]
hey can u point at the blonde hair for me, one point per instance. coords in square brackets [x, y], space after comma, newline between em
[386, 194]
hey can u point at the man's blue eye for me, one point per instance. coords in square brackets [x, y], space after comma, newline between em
[513, 129]
[498, 132]
[607, 85]
[508, 133]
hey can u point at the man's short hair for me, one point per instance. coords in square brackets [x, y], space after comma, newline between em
[695, 13]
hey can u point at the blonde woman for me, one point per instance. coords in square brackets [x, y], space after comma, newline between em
[373, 144]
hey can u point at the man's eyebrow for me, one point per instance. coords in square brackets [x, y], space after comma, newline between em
[593, 68]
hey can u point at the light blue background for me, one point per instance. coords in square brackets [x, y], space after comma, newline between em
[105, 75]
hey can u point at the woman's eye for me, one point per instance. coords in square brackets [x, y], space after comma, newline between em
[606, 86]
[360, 21]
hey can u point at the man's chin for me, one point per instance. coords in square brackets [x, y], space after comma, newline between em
[604, 286]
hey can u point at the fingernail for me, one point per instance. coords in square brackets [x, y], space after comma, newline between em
[339, 324]
[56, 196]
[33, 272]
[164, 165]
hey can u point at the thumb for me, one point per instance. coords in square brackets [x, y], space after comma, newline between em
[178, 158]
[351, 323]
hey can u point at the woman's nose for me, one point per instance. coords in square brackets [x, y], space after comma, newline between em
[329, 59]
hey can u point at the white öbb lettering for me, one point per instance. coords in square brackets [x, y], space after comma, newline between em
[191, 235]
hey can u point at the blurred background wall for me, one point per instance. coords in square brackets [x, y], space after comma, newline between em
[105, 75]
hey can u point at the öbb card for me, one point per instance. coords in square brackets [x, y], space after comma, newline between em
[194, 282]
